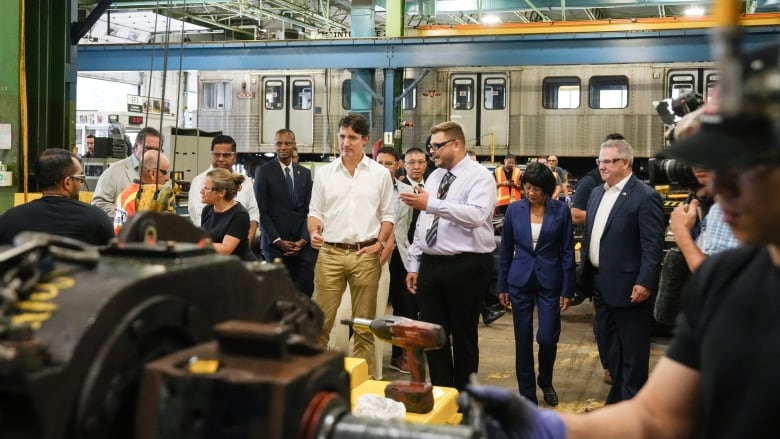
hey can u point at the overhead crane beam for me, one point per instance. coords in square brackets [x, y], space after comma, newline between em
[509, 50]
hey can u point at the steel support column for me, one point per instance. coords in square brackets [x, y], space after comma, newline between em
[9, 96]
[51, 75]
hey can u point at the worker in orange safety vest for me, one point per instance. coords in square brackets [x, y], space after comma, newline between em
[507, 184]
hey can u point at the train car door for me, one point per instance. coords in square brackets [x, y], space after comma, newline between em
[480, 102]
[288, 103]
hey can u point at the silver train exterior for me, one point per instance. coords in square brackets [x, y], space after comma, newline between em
[528, 110]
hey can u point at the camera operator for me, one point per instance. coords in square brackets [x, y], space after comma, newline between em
[698, 226]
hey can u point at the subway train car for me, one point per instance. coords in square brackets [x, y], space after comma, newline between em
[528, 110]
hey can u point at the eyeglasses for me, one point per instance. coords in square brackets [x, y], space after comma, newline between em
[210, 189]
[81, 177]
[609, 161]
[224, 155]
[415, 162]
[437, 146]
[152, 148]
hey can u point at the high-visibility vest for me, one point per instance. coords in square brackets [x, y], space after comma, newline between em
[507, 194]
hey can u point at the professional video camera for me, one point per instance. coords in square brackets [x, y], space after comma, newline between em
[671, 171]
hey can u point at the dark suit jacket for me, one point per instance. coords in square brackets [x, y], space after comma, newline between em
[279, 216]
[631, 246]
[553, 259]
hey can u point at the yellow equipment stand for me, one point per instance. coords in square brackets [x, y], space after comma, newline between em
[445, 399]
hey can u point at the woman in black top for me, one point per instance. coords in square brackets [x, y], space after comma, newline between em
[223, 217]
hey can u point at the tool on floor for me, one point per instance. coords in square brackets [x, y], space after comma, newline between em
[415, 338]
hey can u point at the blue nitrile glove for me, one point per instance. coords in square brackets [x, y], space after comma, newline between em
[510, 416]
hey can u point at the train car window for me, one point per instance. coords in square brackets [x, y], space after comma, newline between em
[410, 100]
[561, 92]
[681, 84]
[608, 92]
[712, 84]
[495, 93]
[346, 94]
[302, 94]
[217, 95]
[274, 95]
[462, 94]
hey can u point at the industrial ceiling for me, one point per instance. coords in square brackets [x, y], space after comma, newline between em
[144, 21]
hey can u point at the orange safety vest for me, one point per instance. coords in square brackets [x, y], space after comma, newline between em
[507, 194]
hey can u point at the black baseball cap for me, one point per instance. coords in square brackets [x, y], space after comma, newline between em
[750, 137]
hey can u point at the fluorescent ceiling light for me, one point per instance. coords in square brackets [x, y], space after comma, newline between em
[491, 19]
[694, 11]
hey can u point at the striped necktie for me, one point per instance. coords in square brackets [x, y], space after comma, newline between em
[444, 187]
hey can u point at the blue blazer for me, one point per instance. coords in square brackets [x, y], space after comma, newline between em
[553, 259]
[632, 245]
[279, 216]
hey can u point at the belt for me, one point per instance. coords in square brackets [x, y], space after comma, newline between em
[348, 246]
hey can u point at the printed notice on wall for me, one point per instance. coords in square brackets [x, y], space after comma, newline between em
[5, 136]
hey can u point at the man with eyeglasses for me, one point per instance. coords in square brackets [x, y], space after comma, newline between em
[154, 173]
[451, 261]
[622, 248]
[283, 190]
[119, 175]
[562, 174]
[223, 155]
[59, 211]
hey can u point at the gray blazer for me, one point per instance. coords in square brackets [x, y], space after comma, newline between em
[112, 182]
[403, 219]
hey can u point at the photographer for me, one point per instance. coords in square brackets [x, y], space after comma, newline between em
[712, 235]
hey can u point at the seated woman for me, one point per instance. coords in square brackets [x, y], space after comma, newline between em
[223, 217]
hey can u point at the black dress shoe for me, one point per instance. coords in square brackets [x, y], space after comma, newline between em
[550, 396]
[490, 315]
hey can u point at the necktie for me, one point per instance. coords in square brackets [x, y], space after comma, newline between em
[413, 225]
[444, 187]
[288, 179]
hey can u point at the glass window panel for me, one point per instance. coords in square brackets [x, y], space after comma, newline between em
[217, 95]
[274, 95]
[410, 100]
[561, 92]
[346, 94]
[302, 94]
[608, 92]
[495, 93]
[462, 94]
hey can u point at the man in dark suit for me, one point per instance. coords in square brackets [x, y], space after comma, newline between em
[283, 191]
[622, 248]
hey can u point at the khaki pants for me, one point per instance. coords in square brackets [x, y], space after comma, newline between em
[339, 335]
[336, 268]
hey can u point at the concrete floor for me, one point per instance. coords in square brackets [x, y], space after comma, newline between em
[578, 374]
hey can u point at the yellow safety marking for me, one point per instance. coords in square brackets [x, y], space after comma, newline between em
[63, 282]
[32, 306]
[34, 320]
[44, 291]
[204, 366]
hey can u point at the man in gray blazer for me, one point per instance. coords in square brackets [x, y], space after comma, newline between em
[119, 175]
[400, 297]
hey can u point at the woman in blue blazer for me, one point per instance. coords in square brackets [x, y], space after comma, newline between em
[536, 266]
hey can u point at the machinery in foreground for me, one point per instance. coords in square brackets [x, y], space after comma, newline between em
[78, 325]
